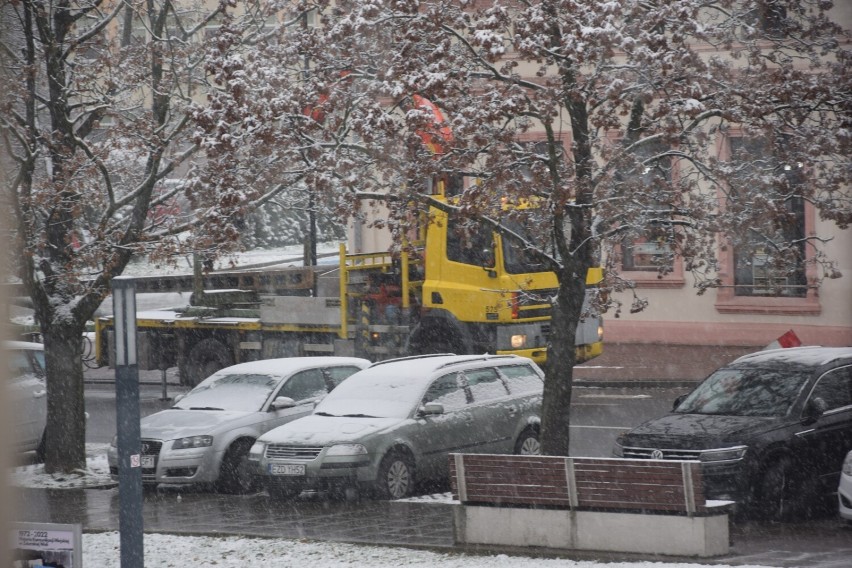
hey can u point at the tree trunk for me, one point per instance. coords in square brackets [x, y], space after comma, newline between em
[66, 427]
[561, 358]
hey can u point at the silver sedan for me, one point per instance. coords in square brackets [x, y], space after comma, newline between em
[205, 437]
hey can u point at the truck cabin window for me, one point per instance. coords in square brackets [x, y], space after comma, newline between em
[469, 242]
[518, 259]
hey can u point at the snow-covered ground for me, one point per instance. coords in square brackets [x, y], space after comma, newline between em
[164, 550]
[227, 552]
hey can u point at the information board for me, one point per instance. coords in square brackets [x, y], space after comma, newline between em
[46, 544]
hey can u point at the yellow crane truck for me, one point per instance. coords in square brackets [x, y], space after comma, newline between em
[443, 293]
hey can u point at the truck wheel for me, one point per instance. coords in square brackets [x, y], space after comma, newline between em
[206, 357]
[234, 474]
[428, 340]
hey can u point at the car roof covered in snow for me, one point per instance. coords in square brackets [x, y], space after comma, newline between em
[288, 365]
[23, 346]
[423, 367]
[810, 356]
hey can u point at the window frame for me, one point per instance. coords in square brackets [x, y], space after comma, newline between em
[728, 302]
[649, 277]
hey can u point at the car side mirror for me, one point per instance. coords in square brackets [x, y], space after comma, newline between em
[815, 408]
[431, 408]
[283, 402]
[677, 402]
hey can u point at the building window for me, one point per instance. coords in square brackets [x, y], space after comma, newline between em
[647, 251]
[763, 19]
[771, 16]
[646, 254]
[768, 264]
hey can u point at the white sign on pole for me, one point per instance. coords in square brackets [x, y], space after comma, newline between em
[51, 544]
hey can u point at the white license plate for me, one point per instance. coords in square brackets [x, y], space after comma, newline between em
[147, 461]
[287, 469]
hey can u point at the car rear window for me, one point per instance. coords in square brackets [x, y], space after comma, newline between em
[485, 384]
[522, 379]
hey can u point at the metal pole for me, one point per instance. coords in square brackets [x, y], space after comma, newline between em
[165, 387]
[127, 424]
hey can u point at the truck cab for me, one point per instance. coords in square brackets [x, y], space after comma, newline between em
[482, 293]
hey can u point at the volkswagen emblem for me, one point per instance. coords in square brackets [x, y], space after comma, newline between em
[145, 447]
[657, 455]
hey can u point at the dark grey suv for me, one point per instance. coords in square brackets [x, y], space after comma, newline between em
[771, 429]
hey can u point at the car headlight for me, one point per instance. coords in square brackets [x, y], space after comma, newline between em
[347, 450]
[724, 454]
[256, 451]
[192, 442]
[114, 442]
[847, 465]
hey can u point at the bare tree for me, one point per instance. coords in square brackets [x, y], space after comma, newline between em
[96, 130]
[601, 122]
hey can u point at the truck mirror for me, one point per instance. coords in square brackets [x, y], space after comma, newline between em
[487, 257]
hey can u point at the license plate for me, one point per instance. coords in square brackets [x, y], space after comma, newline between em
[287, 469]
[147, 461]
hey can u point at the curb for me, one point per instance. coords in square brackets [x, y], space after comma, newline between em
[582, 383]
[637, 383]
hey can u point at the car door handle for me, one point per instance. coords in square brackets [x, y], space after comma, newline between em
[512, 409]
[39, 394]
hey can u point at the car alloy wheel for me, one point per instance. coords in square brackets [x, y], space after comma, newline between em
[396, 477]
[528, 444]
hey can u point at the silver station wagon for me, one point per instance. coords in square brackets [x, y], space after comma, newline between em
[397, 422]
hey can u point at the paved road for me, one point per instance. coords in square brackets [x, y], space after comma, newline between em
[598, 414]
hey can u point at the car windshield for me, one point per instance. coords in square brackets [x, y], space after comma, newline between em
[746, 392]
[373, 395]
[242, 392]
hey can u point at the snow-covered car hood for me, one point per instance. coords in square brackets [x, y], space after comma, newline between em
[323, 430]
[698, 431]
[173, 423]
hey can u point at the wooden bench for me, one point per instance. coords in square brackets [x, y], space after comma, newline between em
[654, 506]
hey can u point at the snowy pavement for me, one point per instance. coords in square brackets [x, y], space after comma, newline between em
[235, 552]
[167, 550]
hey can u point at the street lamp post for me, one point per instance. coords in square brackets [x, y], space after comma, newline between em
[127, 423]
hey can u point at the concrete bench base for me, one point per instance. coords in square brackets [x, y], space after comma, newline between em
[591, 530]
